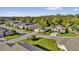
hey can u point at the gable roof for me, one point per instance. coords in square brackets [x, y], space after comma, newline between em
[30, 47]
[4, 47]
[59, 27]
[18, 47]
[15, 47]
[34, 26]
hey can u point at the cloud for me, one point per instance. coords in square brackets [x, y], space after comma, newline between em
[76, 9]
[12, 12]
[53, 8]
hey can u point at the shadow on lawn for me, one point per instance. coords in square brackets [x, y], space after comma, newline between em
[42, 47]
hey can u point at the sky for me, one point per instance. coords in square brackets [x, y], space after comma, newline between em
[37, 11]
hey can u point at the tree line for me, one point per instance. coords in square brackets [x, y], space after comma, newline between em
[49, 20]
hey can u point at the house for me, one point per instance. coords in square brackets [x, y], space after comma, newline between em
[21, 26]
[36, 28]
[8, 32]
[75, 31]
[58, 29]
[24, 25]
[15, 24]
[68, 44]
[54, 32]
[4, 32]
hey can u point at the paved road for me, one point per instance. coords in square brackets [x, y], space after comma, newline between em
[55, 37]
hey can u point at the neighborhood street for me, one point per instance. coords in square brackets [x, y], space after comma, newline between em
[27, 35]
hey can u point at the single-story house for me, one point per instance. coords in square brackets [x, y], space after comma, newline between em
[58, 29]
[4, 32]
[75, 31]
[36, 28]
[15, 24]
[68, 44]
[21, 26]
[24, 25]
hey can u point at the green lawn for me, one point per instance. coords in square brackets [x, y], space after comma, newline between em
[44, 43]
[47, 43]
[12, 36]
[28, 41]
[45, 33]
[69, 34]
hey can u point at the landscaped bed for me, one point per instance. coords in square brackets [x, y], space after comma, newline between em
[12, 36]
[45, 44]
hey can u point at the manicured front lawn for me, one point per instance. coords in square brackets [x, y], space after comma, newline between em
[47, 43]
[44, 43]
[68, 34]
[28, 40]
[12, 36]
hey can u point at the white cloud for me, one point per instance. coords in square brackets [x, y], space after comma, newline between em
[12, 12]
[76, 9]
[53, 8]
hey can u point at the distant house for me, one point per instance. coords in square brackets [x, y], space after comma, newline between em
[24, 25]
[36, 28]
[58, 29]
[15, 24]
[21, 26]
[68, 44]
[73, 30]
[4, 32]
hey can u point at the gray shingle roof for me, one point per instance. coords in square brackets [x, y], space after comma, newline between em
[30, 47]
[34, 26]
[15, 47]
[70, 44]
